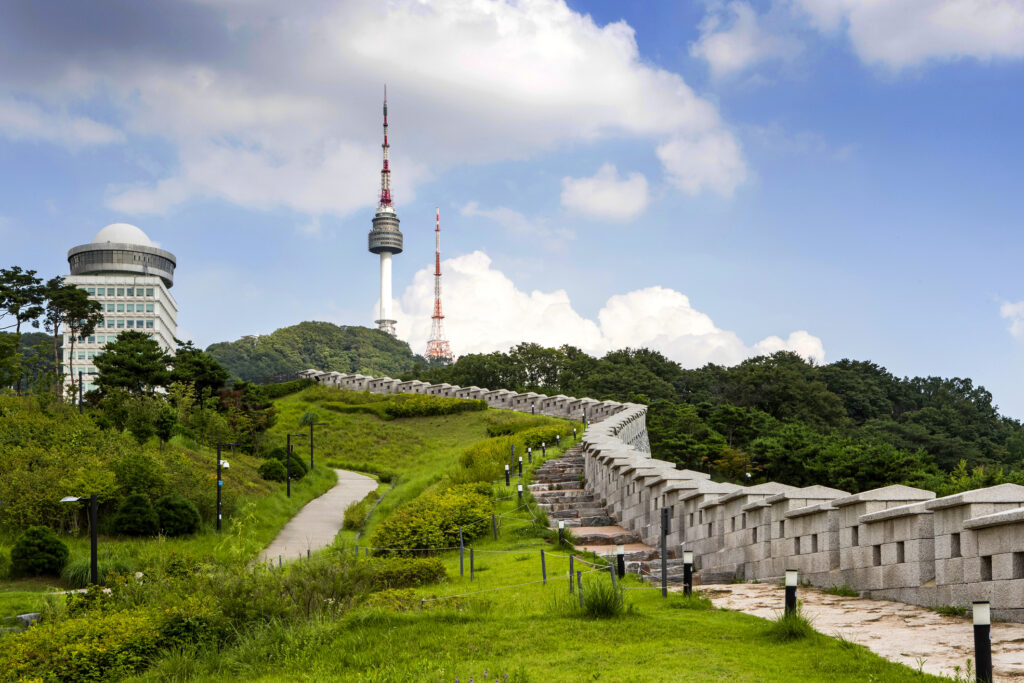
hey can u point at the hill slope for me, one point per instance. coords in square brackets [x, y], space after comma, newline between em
[319, 345]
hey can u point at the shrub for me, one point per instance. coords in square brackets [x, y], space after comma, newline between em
[423, 405]
[136, 517]
[433, 519]
[406, 572]
[394, 599]
[298, 465]
[5, 563]
[272, 391]
[38, 552]
[178, 516]
[357, 512]
[601, 600]
[272, 470]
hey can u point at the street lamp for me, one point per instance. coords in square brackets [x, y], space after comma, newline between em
[79, 392]
[220, 482]
[94, 508]
[311, 425]
[288, 461]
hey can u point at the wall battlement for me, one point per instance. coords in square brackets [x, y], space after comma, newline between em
[891, 543]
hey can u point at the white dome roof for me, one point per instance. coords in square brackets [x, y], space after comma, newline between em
[123, 233]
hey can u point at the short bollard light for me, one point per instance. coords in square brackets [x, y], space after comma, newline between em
[983, 640]
[558, 439]
[543, 449]
[520, 488]
[687, 573]
[529, 455]
[507, 481]
[520, 467]
[791, 583]
[620, 560]
[574, 437]
[561, 532]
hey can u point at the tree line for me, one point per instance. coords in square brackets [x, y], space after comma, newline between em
[848, 424]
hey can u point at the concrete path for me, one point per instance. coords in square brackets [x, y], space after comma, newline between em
[318, 522]
[902, 633]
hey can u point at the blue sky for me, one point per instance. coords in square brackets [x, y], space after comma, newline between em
[711, 179]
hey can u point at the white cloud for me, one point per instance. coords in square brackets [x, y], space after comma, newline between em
[26, 121]
[517, 224]
[712, 161]
[606, 196]
[743, 43]
[1014, 312]
[910, 33]
[278, 104]
[487, 312]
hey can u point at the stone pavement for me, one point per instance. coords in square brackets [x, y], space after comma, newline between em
[902, 633]
[318, 522]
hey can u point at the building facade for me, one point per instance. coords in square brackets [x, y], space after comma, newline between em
[131, 278]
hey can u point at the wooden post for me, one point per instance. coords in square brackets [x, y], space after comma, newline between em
[462, 552]
[570, 573]
[664, 552]
[543, 568]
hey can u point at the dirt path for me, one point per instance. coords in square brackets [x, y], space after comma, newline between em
[318, 522]
[902, 633]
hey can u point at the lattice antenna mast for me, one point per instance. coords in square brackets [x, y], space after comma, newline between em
[385, 171]
[438, 348]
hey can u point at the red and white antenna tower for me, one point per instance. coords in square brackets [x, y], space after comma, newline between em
[438, 348]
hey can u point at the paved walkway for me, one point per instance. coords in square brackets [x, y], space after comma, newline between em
[318, 522]
[902, 633]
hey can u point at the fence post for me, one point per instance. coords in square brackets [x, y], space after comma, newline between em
[791, 583]
[664, 552]
[279, 560]
[494, 526]
[307, 554]
[570, 573]
[471, 565]
[357, 550]
[462, 553]
[366, 551]
[983, 641]
[687, 573]
[579, 586]
[543, 568]
[611, 570]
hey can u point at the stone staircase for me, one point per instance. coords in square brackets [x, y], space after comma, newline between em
[559, 489]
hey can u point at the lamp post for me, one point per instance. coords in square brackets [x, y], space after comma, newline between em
[94, 508]
[288, 461]
[220, 481]
[79, 392]
[311, 425]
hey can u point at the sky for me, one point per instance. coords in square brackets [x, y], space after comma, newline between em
[714, 180]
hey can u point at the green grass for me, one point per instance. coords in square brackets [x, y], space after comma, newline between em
[533, 632]
[843, 591]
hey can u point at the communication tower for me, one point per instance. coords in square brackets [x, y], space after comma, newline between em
[385, 238]
[438, 348]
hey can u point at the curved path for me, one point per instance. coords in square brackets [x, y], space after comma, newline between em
[318, 522]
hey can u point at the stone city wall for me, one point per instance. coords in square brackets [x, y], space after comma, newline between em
[891, 543]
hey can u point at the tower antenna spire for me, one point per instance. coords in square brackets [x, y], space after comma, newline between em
[385, 238]
[438, 348]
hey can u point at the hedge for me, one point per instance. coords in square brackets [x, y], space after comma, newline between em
[432, 520]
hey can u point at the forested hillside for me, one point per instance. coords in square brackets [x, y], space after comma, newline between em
[848, 424]
[319, 345]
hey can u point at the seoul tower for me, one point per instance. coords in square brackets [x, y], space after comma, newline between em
[385, 238]
[438, 348]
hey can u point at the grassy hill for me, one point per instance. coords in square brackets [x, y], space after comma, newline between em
[319, 345]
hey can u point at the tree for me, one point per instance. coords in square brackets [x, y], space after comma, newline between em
[22, 295]
[198, 368]
[71, 307]
[133, 362]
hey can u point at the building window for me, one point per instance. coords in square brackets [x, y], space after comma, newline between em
[110, 323]
[120, 308]
[130, 292]
[131, 323]
[81, 355]
[149, 324]
[139, 324]
[131, 308]
[120, 291]
[91, 290]
[120, 324]
[110, 308]
[149, 291]
[101, 292]
[91, 355]
[149, 308]
[92, 340]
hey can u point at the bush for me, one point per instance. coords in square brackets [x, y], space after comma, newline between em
[5, 563]
[178, 516]
[423, 405]
[38, 552]
[273, 470]
[601, 600]
[433, 519]
[406, 572]
[136, 517]
[298, 465]
[272, 391]
[356, 512]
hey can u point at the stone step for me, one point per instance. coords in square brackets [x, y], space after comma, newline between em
[622, 537]
[564, 496]
[576, 509]
[597, 520]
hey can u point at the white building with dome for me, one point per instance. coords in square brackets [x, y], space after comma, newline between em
[131, 277]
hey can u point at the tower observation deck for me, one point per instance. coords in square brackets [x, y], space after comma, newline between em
[385, 238]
